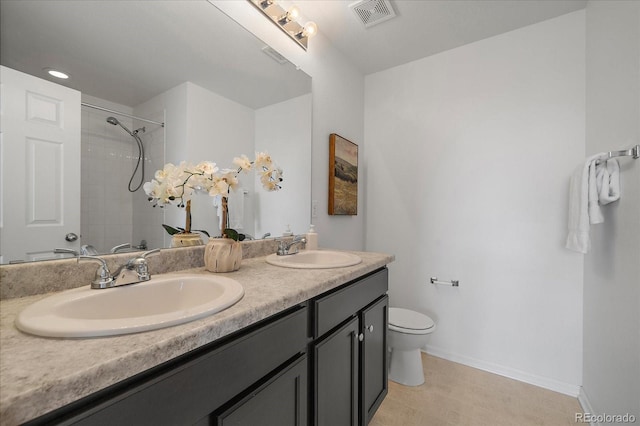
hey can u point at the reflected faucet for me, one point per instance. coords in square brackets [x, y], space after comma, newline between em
[119, 247]
[284, 247]
[85, 250]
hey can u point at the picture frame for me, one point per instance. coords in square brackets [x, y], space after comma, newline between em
[343, 176]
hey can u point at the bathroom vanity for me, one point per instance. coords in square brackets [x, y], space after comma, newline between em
[301, 347]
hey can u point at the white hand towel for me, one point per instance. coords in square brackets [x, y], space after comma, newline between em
[608, 181]
[595, 214]
[583, 204]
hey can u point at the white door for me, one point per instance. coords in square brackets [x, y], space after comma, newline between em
[39, 167]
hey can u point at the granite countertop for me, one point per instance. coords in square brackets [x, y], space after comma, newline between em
[38, 375]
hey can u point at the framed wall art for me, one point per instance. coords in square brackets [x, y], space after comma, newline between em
[343, 176]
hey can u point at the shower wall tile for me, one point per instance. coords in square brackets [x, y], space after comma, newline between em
[107, 163]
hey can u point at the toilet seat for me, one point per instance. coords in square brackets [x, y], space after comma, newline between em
[409, 322]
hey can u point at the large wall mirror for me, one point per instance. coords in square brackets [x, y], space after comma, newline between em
[178, 80]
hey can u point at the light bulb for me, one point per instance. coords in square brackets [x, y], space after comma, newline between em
[310, 29]
[293, 13]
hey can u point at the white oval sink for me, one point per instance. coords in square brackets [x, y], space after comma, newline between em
[315, 259]
[163, 301]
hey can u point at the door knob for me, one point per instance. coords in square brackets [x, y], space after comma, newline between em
[370, 328]
[71, 237]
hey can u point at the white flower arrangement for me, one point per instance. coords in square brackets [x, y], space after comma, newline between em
[176, 184]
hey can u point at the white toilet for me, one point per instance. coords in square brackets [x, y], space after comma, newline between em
[408, 332]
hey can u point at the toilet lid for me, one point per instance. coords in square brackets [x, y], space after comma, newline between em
[405, 320]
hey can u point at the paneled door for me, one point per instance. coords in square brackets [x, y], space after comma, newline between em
[39, 167]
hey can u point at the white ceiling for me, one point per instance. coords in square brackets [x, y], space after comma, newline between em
[424, 27]
[129, 51]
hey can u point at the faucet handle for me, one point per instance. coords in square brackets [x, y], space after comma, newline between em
[150, 253]
[66, 250]
[282, 247]
[141, 266]
[120, 247]
[103, 278]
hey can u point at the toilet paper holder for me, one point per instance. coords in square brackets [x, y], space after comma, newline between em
[453, 283]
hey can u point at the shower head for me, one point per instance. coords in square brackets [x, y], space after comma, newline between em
[114, 121]
[134, 135]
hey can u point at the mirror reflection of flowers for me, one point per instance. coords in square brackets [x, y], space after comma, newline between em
[177, 184]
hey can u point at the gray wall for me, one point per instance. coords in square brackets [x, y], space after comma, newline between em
[469, 154]
[611, 375]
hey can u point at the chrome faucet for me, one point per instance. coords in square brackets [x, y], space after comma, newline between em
[85, 250]
[284, 247]
[134, 271]
[103, 278]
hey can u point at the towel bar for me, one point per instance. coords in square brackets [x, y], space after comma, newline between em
[453, 283]
[632, 152]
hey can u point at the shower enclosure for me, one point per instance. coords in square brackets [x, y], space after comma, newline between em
[115, 163]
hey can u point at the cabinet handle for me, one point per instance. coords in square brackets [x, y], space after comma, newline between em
[358, 336]
[370, 328]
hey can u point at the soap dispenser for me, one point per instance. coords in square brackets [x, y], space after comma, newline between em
[312, 239]
[287, 232]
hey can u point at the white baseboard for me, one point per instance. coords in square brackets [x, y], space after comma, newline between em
[586, 404]
[543, 382]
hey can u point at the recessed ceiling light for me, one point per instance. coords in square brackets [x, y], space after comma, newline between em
[56, 73]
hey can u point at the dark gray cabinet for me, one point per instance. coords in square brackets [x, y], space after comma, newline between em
[350, 352]
[189, 389]
[373, 364]
[336, 376]
[322, 362]
[280, 401]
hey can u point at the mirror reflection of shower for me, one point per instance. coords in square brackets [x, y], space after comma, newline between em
[134, 134]
[111, 167]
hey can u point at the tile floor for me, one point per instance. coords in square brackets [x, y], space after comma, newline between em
[455, 394]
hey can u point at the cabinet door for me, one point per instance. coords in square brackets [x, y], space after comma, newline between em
[336, 377]
[194, 386]
[373, 362]
[281, 401]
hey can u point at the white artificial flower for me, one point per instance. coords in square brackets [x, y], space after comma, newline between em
[219, 187]
[242, 162]
[263, 160]
[207, 167]
[177, 184]
[231, 177]
[168, 170]
[270, 185]
[150, 188]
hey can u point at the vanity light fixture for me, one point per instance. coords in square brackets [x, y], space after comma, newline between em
[286, 20]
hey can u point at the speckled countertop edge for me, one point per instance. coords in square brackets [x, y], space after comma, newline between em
[38, 375]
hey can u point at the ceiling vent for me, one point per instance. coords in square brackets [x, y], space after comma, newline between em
[372, 12]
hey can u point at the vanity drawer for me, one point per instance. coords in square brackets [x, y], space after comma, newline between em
[332, 309]
[188, 390]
